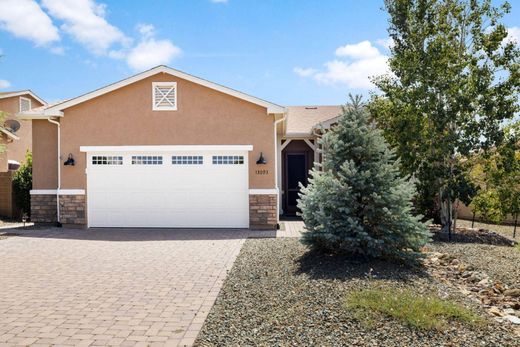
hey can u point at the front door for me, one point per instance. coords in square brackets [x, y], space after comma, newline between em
[296, 173]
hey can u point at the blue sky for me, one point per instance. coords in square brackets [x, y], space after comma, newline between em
[289, 52]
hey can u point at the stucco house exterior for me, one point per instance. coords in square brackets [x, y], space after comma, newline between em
[15, 142]
[167, 149]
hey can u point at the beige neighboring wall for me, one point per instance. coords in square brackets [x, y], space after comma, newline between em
[124, 117]
[17, 149]
[45, 154]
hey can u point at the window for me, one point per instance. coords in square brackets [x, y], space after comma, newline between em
[106, 160]
[164, 96]
[228, 159]
[25, 104]
[187, 160]
[147, 160]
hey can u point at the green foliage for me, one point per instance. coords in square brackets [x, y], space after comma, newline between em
[2, 118]
[359, 203]
[418, 311]
[22, 185]
[498, 177]
[455, 80]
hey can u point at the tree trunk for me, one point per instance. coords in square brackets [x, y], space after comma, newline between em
[455, 215]
[446, 212]
[473, 220]
[516, 222]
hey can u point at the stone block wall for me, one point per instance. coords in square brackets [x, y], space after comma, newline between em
[43, 208]
[72, 209]
[262, 211]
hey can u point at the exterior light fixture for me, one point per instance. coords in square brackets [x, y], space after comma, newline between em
[69, 161]
[261, 160]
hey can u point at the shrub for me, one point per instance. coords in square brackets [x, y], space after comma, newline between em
[22, 185]
[359, 203]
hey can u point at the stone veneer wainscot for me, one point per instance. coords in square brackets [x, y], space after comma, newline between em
[72, 209]
[262, 211]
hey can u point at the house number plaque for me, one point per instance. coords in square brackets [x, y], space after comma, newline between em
[262, 172]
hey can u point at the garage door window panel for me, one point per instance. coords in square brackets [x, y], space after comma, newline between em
[147, 160]
[107, 160]
[187, 160]
[228, 159]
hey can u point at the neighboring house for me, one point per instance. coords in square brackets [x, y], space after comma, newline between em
[15, 142]
[166, 149]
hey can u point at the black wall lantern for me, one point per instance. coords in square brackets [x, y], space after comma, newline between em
[69, 161]
[261, 160]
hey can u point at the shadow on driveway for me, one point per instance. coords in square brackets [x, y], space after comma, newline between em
[143, 234]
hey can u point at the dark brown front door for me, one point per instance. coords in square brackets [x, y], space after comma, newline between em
[296, 172]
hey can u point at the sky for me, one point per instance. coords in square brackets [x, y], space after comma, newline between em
[290, 52]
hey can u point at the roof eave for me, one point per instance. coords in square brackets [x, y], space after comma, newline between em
[9, 134]
[298, 135]
[24, 92]
[45, 114]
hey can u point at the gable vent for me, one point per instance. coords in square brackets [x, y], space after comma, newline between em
[164, 96]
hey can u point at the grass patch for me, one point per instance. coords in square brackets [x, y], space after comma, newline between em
[422, 312]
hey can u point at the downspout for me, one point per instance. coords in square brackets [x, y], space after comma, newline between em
[276, 122]
[58, 220]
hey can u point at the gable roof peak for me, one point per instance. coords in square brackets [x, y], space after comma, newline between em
[58, 108]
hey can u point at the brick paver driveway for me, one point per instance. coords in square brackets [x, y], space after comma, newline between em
[141, 287]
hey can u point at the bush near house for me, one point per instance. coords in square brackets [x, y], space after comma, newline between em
[359, 203]
[22, 185]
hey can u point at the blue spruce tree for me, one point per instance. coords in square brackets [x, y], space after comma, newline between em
[359, 203]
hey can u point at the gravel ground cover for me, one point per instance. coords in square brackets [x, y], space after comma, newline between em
[501, 263]
[505, 230]
[278, 294]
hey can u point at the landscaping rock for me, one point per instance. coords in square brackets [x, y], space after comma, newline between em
[280, 294]
[513, 319]
[515, 292]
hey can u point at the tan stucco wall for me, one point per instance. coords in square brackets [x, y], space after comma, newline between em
[17, 149]
[45, 149]
[125, 117]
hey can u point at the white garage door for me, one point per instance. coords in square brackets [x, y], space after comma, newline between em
[192, 189]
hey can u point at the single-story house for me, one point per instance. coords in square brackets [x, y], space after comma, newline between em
[167, 149]
[15, 140]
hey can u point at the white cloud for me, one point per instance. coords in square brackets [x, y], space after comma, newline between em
[386, 43]
[58, 50]
[85, 21]
[149, 51]
[25, 19]
[4, 84]
[513, 34]
[361, 61]
[146, 30]
[304, 72]
[360, 50]
[354, 74]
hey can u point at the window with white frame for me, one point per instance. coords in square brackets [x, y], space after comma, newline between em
[107, 160]
[164, 96]
[147, 160]
[25, 104]
[187, 160]
[228, 159]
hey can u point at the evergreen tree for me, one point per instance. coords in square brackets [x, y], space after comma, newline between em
[359, 203]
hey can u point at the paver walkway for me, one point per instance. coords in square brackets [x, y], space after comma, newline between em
[292, 228]
[129, 287]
